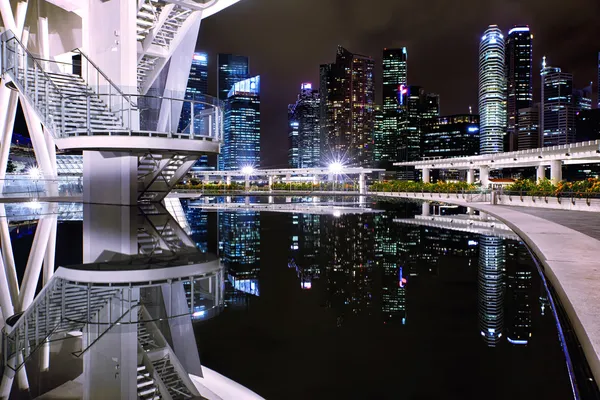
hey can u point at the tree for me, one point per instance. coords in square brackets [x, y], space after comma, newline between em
[10, 167]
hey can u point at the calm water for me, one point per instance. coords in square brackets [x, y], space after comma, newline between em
[364, 306]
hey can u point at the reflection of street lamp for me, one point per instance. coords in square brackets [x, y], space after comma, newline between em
[34, 173]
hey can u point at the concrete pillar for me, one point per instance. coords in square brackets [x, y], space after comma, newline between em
[484, 175]
[271, 183]
[228, 180]
[470, 211]
[541, 172]
[556, 171]
[426, 209]
[110, 178]
[247, 183]
[470, 176]
[288, 178]
[426, 177]
[315, 180]
[206, 179]
[271, 200]
[362, 184]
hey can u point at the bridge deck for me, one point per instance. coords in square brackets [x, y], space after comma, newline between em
[585, 222]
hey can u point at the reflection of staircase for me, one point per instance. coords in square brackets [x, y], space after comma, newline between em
[163, 368]
[159, 27]
[60, 308]
[159, 173]
[75, 106]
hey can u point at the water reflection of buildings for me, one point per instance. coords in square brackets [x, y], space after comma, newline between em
[491, 288]
[519, 271]
[239, 245]
[305, 249]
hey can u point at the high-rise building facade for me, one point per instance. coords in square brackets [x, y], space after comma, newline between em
[241, 133]
[379, 152]
[492, 91]
[491, 288]
[451, 136]
[519, 80]
[598, 82]
[304, 129]
[582, 99]
[231, 69]
[529, 128]
[394, 88]
[557, 110]
[197, 88]
[347, 100]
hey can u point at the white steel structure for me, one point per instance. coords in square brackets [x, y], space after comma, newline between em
[553, 157]
[492, 91]
[95, 76]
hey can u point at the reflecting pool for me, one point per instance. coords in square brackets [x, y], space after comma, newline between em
[300, 298]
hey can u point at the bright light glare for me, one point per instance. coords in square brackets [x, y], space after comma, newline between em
[199, 314]
[248, 170]
[34, 172]
[336, 167]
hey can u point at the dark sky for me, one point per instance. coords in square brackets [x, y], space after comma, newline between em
[286, 41]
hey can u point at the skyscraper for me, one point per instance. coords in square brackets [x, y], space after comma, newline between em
[492, 91]
[519, 80]
[582, 99]
[529, 128]
[241, 138]
[197, 87]
[395, 67]
[347, 97]
[304, 129]
[231, 69]
[557, 111]
[451, 136]
[379, 138]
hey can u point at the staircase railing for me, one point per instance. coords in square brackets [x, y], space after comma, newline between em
[17, 63]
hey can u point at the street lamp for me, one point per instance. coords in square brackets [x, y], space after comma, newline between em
[248, 170]
[336, 168]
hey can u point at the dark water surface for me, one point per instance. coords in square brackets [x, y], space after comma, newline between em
[362, 307]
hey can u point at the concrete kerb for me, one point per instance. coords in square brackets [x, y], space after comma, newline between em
[589, 337]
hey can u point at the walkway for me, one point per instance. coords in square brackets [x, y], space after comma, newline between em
[567, 243]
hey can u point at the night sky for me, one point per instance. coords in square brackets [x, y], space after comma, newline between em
[287, 40]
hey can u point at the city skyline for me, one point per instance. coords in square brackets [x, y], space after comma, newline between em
[569, 44]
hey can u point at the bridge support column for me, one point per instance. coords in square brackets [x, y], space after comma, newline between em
[426, 177]
[270, 183]
[247, 183]
[470, 176]
[206, 179]
[484, 175]
[556, 171]
[315, 180]
[362, 184]
[426, 209]
[540, 172]
[228, 180]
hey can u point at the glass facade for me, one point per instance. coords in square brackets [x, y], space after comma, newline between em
[347, 97]
[529, 128]
[241, 137]
[519, 81]
[557, 112]
[492, 91]
[451, 136]
[582, 99]
[491, 288]
[231, 69]
[395, 78]
[304, 129]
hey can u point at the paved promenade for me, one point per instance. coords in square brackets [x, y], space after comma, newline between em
[568, 245]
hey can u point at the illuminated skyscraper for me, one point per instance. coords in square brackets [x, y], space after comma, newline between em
[492, 91]
[395, 67]
[378, 135]
[491, 288]
[557, 110]
[529, 128]
[304, 129]
[451, 136]
[241, 138]
[582, 99]
[347, 96]
[197, 88]
[519, 80]
[231, 69]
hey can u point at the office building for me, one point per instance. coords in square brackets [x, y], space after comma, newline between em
[492, 91]
[241, 137]
[347, 100]
[588, 125]
[395, 67]
[380, 140]
[304, 129]
[451, 136]
[582, 99]
[557, 110]
[519, 81]
[231, 69]
[529, 128]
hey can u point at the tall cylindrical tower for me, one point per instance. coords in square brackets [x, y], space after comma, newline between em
[492, 91]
